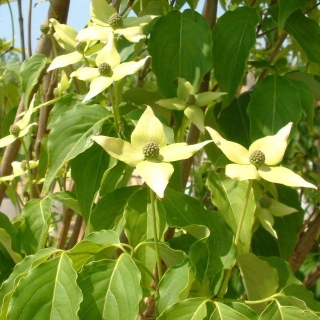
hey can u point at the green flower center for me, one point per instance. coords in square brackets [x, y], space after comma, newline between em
[81, 46]
[115, 21]
[23, 165]
[191, 99]
[257, 158]
[44, 28]
[105, 69]
[151, 150]
[265, 202]
[14, 130]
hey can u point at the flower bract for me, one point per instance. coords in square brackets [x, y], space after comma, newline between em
[105, 19]
[260, 160]
[109, 69]
[267, 208]
[20, 128]
[149, 151]
[190, 102]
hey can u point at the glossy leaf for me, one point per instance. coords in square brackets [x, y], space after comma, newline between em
[190, 309]
[229, 196]
[174, 286]
[180, 46]
[91, 245]
[20, 271]
[68, 199]
[111, 289]
[223, 312]
[259, 279]
[268, 109]
[231, 45]
[34, 231]
[57, 280]
[276, 311]
[31, 73]
[70, 135]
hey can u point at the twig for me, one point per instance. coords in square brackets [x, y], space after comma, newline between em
[75, 232]
[29, 28]
[23, 48]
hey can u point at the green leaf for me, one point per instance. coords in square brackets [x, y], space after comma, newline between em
[307, 79]
[70, 135]
[90, 245]
[140, 96]
[33, 232]
[6, 242]
[306, 32]
[285, 273]
[306, 99]
[286, 7]
[31, 73]
[244, 310]
[190, 309]
[89, 166]
[115, 202]
[49, 291]
[297, 292]
[20, 270]
[222, 119]
[275, 311]
[180, 45]
[269, 110]
[224, 312]
[174, 286]
[183, 211]
[111, 289]
[260, 280]
[229, 196]
[6, 224]
[68, 199]
[233, 37]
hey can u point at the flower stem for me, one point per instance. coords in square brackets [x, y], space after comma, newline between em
[155, 234]
[28, 167]
[237, 238]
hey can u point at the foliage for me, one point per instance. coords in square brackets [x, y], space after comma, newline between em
[165, 164]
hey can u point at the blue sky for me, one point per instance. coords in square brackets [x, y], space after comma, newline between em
[79, 14]
[78, 17]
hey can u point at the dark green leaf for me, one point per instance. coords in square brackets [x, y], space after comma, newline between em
[233, 37]
[70, 135]
[268, 109]
[180, 45]
[68, 199]
[110, 206]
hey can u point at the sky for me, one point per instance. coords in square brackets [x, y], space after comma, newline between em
[79, 14]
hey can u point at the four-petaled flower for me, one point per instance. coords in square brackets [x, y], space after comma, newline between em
[66, 37]
[105, 19]
[109, 68]
[190, 102]
[20, 128]
[267, 208]
[149, 151]
[260, 160]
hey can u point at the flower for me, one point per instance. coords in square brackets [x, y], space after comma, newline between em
[106, 19]
[149, 151]
[190, 102]
[260, 160]
[108, 69]
[19, 169]
[267, 208]
[20, 128]
[66, 37]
